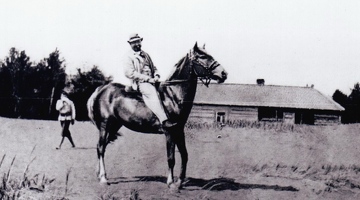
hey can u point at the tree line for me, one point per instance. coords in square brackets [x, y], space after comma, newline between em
[30, 90]
[351, 103]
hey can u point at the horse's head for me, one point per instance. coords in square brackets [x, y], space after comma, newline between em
[205, 66]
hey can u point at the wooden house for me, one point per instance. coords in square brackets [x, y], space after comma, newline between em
[260, 102]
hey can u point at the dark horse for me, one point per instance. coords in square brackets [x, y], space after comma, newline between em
[112, 106]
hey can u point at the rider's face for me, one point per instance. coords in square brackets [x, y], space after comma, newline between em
[136, 45]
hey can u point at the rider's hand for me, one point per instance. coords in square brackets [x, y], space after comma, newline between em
[156, 78]
[151, 80]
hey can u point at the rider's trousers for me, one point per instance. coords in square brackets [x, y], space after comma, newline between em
[151, 99]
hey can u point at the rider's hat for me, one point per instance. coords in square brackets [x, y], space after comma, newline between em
[134, 37]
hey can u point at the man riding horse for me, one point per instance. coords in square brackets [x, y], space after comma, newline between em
[143, 73]
[112, 106]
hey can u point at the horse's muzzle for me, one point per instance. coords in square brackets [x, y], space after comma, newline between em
[219, 74]
[222, 77]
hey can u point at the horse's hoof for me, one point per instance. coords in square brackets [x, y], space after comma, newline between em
[178, 184]
[103, 181]
[169, 181]
[174, 188]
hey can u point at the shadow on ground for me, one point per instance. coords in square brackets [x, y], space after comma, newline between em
[216, 184]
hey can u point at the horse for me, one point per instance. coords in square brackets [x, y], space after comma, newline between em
[112, 106]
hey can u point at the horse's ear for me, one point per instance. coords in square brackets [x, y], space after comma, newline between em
[196, 48]
[204, 46]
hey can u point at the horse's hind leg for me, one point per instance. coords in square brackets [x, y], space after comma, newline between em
[101, 153]
[108, 133]
[170, 149]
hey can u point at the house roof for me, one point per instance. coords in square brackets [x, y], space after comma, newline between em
[264, 96]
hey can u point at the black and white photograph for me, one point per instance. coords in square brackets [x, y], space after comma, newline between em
[179, 100]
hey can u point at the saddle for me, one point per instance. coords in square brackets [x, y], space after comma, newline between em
[129, 89]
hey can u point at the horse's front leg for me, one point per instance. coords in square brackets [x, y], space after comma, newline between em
[170, 149]
[101, 154]
[180, 143]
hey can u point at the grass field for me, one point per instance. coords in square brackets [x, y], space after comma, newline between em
[261, 161]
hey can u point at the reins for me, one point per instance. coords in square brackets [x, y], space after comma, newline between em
[174, 82]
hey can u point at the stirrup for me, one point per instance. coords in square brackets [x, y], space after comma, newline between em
[168, 124]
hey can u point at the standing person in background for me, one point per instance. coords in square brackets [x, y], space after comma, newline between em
[66, 110]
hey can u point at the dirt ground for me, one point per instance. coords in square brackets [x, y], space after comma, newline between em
[311, 162]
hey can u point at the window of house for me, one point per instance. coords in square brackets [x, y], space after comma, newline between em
[220, 117]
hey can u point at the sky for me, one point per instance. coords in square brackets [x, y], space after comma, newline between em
[285, 42]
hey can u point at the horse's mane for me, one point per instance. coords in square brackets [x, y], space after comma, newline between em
[178, 67]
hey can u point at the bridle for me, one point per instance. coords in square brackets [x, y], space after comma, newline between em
[205, 79]
[195, 64]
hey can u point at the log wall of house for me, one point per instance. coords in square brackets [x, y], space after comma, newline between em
[243, 113]
[326, 119]
[202, 114]
[211, 113]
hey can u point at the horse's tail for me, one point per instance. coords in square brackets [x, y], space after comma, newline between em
[90, 104]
